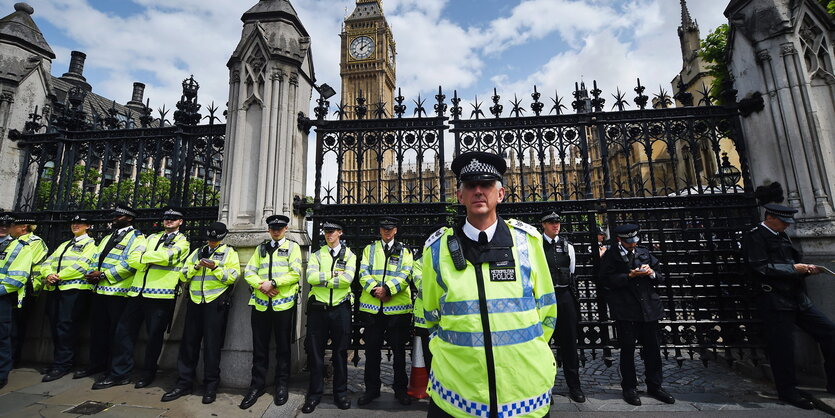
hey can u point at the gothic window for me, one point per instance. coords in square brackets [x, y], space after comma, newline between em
[816, 53]
[254, 79]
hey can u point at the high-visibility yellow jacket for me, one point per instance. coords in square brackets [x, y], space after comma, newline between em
[392, 273]
[19, 262]
[417, 279]
[70, 261]
[120, 264]
[284, 265]
[521, 315]
[330, 278]
[160, 264]
[206, 285]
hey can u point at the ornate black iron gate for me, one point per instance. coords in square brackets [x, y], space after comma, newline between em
[681, 173]
[83, 159]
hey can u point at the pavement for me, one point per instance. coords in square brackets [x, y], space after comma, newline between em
[700, 391]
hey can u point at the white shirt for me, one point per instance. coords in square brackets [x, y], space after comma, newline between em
[571, 254]
[387, 245]
[278, 243]
[127, 228]
[771, 230]
[472, 232]
[80, 237]
[335, 250]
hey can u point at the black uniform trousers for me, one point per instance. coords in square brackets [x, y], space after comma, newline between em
[566, 333]
[206, 323]
[778, 328]
[394, 329]
[423, 333]
[155, 314]
[264, 325]
[645, 333]
[65, 310]
[106, 313]
[21, 318]
[333, 324]
[8, 302]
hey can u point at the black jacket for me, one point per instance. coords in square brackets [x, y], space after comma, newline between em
[770, 261]
[632, 299]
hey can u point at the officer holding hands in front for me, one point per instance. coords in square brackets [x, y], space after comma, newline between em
[628, 277]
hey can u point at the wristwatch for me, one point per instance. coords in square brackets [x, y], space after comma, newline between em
[272, 282]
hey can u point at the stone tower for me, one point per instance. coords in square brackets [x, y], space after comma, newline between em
[694, 70]
[25, 65]
[270, 82]
[368, 57]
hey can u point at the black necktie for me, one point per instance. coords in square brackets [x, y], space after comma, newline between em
[482, 239]
[631, 256]
[333, 253]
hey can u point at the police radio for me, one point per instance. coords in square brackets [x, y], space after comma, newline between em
[455, 251]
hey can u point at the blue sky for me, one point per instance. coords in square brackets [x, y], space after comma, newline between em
[469, 45]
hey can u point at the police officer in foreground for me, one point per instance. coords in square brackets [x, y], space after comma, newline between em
[210, 272]
[562, 261]
[330, 272]
[386, 306]
[487, 295]
[17, 262]
[68, 294]
[628, 277]
[273, 273]
[111, 272]
[778, 278]
[151, 299]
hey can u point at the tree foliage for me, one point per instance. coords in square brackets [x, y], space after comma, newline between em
[152, 191]
[829, 5]
[714, 51]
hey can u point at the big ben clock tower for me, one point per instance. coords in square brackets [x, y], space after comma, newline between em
[368, 58]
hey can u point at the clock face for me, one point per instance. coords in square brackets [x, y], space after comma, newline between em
[391, 55]
[362, 47]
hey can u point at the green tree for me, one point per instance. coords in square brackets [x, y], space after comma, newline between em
[714, 51]
[829, 5]
[77, 198]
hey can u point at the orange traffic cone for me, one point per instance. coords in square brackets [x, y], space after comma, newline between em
[419, 379]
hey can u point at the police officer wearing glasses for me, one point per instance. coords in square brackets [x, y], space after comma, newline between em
[628, 276]
[561, 262]
[778, 278]
[330, 272]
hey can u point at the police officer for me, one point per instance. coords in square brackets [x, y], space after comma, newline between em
[5, 222]
[488, 297]
[114, 266]
[778, 277]
[211, 271]
[17, 262]
[273, 273]
[561, 262]
[420, 328]
[628, 277]
[330, 272]
[68, 294]
[386, 303]
[151, 300]
[601, 241]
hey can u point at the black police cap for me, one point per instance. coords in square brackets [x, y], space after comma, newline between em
[478, 166]
[628, 232]
[331, 224]
[6, 219]
[80, 219]
[170, 213]
[122, 209]
[783, 213]
[278, 221]
[389, 222]
[550, 216]
[216, 232]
